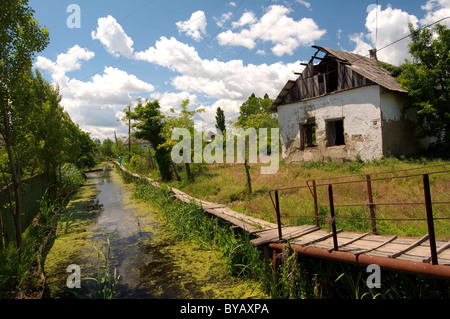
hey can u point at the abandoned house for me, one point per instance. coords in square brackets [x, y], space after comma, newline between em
[344, 106]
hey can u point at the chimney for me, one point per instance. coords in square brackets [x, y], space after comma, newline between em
[373, 54]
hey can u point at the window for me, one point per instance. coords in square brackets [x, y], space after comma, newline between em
[335, 132]
[308, 132]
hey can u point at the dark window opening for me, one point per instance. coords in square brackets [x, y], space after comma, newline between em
[335, 133]
[309, 134]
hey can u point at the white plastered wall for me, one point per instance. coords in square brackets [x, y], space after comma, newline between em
[360, 110]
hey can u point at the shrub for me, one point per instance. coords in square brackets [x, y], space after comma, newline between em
[71, 178]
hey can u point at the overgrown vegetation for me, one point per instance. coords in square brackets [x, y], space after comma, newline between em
[298, 277]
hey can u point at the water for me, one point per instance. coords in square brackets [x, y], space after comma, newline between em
[150, 261]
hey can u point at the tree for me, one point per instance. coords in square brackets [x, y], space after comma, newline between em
[220, 121]
[148, 122]
[182, 119]
[427, 80]
[106, 148]
[254, 113]
[21, 37]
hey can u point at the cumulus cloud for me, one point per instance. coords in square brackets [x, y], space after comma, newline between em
[384, 27]
[195, 27]
[94, 103]
[269, 27]
[230, 109]
[168, 100]
[65, 62]
[221, 80]
[436, 10]
[113, 37]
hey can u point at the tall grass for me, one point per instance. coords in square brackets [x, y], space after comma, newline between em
[106, 280]
[71, 178]
[297, 276]
[190, 223]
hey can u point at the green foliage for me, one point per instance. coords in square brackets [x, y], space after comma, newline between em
[106, 149]
[148, 122]
[71, 178]
[220, 121]
[427, 80]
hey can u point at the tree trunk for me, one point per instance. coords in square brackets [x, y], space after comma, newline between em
[175, 170]
[15, 177]
[249, 181]
[188, 170]
[16, 188]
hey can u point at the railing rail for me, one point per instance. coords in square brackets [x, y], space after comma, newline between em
[371, 204]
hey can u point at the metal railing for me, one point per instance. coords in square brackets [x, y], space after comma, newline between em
[368, 179]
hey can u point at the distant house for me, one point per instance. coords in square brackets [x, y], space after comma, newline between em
[344, 106]
[209, 136]
[134, 140]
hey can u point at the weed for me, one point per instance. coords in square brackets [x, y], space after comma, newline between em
[106, 281]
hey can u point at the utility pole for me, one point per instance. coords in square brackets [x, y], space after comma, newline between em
[129, 132]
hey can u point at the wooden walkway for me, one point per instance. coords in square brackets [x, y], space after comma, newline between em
[411, 249]
[319, 242]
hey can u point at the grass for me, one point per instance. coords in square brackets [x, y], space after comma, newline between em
[299, 277]
[226, 184]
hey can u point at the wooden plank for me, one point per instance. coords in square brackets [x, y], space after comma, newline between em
[440, 250]
[376, 247]
[329, 235]
[294, 231]
[413, 245]
[305, 232]
[268, 237]
[265, 230]
[350, 242]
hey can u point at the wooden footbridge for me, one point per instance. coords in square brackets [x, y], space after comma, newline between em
[426, 256]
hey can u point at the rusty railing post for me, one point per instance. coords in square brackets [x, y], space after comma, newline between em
[277, 208]
[333, 221]
[429, 210]
[371, 206]
[316, 209]
[276, 271]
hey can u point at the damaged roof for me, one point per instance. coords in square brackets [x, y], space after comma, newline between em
[364, 66]
[367, 67]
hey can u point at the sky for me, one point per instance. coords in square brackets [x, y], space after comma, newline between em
[106, 54]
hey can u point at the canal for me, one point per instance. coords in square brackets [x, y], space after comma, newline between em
[151, 263]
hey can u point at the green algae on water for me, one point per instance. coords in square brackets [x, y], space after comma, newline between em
[151, 262]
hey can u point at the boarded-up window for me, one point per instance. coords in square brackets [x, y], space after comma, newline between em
[335, 132]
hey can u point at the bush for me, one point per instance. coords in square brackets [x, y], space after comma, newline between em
[71, 178]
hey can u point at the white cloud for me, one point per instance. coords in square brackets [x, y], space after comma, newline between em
[221, 80]
[436, 10]
[195, 26]
[65, 62]
[245, 19]
[168, 100]
[230, 109]
[274, 26]
[93, 104]
[113, 37]
[223, 19]
[305, 3]
[384, 27]
[113, 87]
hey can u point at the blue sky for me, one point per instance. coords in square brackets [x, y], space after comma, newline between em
[216, 53]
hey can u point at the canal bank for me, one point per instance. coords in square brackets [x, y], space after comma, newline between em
[149, 261]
